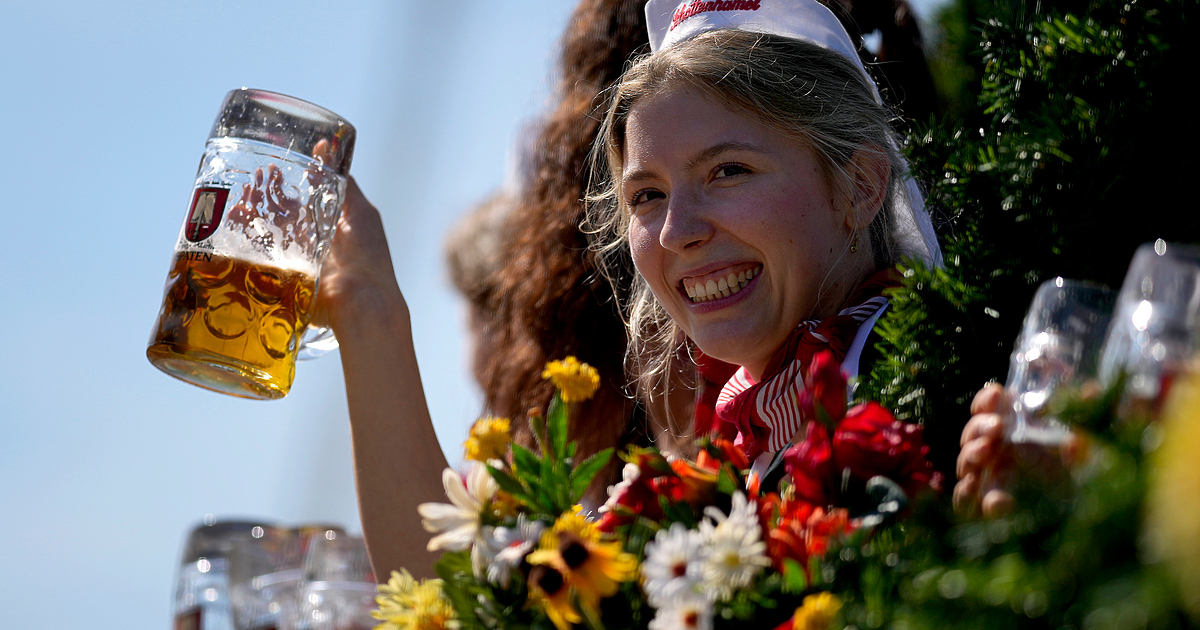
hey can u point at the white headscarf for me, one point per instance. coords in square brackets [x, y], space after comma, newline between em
[672, 21]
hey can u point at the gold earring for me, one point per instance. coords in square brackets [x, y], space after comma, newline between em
[854, 242]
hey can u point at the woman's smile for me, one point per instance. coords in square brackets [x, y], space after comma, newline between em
[722, 284]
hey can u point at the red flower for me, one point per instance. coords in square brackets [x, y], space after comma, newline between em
[869, 441]
[810, 467]
[639, 496]
[824, 389]
[786, 542]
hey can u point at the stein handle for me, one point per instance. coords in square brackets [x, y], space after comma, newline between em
[316, 342]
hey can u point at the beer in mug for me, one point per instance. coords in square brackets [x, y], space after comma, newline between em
[240, 291]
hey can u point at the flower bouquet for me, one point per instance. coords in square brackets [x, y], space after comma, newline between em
[794, 542]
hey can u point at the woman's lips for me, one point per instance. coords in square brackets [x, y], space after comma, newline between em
[718, 285]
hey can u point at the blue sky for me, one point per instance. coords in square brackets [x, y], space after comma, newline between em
[105, 463]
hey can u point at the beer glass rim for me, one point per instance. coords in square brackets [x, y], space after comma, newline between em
[253, 114]
[292, 105]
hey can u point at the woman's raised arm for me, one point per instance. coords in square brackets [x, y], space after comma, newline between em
[398, 462]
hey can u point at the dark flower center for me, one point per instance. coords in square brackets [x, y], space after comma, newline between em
[573, 551]
[547, 579]
[679, 569]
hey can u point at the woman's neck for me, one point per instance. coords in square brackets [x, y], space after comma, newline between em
[838, 290]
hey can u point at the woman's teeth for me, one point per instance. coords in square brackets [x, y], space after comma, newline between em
[723, 287]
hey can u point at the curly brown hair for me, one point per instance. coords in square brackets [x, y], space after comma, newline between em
[547, 301]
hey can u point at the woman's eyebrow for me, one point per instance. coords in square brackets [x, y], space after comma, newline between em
[698, 159]
[722, 147]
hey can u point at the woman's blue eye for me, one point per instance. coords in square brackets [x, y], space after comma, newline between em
[643, 196]
[729, 170]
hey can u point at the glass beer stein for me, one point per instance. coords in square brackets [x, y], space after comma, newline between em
[240, 291]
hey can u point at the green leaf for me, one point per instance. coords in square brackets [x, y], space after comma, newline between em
[583, 474]
[537, 424]
[454, 568]
[542, 623]
[728, 481]
[677, 511]
[510, 485]
[524, 461]
[557, 420]
[794, 578]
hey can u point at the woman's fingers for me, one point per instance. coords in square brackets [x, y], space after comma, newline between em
[996, 502]
[975, 456]
[982, 425]
[966, 494]
[984, 461]
[990, 399]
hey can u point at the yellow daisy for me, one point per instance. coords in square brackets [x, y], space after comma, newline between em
[406, 604]
[577, 381]
[817, 612]
[592, 568]
[576, 523]
[489, 439]
[548, 589]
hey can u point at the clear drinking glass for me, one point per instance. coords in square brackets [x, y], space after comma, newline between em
[1059, 344]
[1154, 332]
[340, 592]
[264, 208]
[266, 569]
[202, 597]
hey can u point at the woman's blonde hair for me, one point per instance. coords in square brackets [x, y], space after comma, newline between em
[801, 89]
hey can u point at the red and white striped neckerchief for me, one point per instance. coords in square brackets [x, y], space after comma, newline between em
[766, 414]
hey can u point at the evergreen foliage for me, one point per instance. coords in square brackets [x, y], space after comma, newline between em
[1078, 149]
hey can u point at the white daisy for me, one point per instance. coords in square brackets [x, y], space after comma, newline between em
[483, 551]
[511, 545]
[629, 474]
[683, 612]
[458, 521]
[674, 562]
[733, 548]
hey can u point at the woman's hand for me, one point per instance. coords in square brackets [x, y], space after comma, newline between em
[986, 459]
[357, 278]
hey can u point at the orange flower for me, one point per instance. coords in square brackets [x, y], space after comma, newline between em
[804, 531]
[690, 483]
[823, 526]
[732, 453]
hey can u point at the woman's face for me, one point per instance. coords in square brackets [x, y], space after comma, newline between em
[731, 223]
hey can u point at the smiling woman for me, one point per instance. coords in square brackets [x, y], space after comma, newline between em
[753, 175]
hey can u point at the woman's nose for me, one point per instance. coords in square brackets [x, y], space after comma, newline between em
[686, 225]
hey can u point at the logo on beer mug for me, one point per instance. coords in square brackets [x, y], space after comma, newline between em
[208, 206]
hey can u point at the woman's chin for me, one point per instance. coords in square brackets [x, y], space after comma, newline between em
[734, 349]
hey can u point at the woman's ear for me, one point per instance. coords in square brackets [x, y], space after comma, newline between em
[869, 171]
